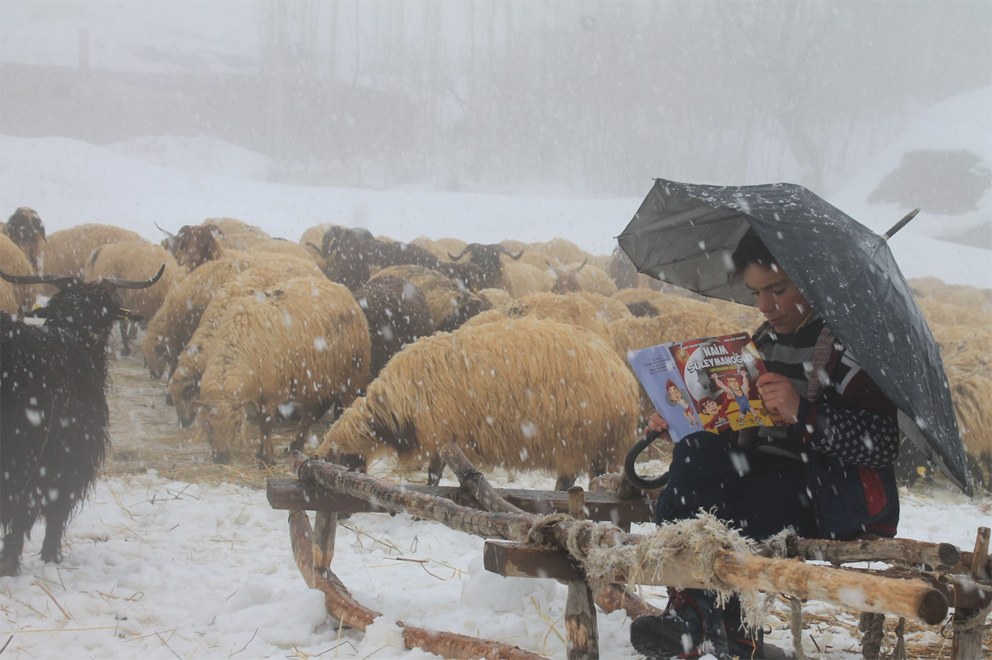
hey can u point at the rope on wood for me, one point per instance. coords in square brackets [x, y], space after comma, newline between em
[701, 539]
[899, 653]
[974, 621]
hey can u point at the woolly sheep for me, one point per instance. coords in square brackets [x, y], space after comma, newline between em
[607, 308]
[966, 353]
[944, 313]
[65, 252]
[525, 394]
[498, 298]
[521, 279]
[565, 251]
[134, 260]
[184, 381]
[236, 234]
[568, 308]
[304, 344]
[488, 259]
[172, 327]
[26, 230]
[15, 299]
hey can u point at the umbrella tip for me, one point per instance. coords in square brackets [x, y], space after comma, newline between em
[899, 225]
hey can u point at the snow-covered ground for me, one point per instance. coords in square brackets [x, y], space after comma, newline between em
[160, 569]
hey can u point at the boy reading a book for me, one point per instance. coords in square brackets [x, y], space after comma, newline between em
[828, 474]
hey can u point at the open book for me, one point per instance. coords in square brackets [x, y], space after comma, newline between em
[704, 384]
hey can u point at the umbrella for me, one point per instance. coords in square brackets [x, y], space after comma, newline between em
[685, 233]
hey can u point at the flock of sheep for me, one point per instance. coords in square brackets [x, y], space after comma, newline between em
[515, 351]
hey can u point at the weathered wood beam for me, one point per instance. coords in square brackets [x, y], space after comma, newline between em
[940, 556]
[910, 598]
[292, 495]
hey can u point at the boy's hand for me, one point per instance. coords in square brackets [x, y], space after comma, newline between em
[658, 424]
[779, 395]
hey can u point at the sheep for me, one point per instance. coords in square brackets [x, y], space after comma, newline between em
[521, 279]
[397, 314]
[570, 309]
[184, 380]
[236, 234]
[65, 252]
[966, 353]
[525, 394]
[304, 344]
[607, 308]
[172, 327]
[536, 259]
[565, 251]
[944, 313]
[487, 258]
[498, 298]
[584, 277]
[15, 300]
[27, 231]
[134, 260]
[53, 409]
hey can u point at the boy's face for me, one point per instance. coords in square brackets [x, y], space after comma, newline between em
[674, 393]
[710, 407]
[777, 297]
[734, 383]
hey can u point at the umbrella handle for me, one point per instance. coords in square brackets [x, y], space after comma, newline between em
[631, 472]
[899, 225]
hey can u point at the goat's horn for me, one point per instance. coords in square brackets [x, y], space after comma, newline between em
[468, 248]
[165, 231]
[584, 261]
[134, 284]
[59, 281]
[506, 251]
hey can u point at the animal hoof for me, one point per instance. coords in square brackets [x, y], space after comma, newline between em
[222, 457]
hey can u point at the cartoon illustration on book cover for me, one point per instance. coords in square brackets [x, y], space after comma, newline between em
[723, 370]
[675, 396]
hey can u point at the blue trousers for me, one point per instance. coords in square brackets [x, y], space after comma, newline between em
[760, 494]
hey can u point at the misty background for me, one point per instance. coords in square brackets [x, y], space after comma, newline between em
[590, 98]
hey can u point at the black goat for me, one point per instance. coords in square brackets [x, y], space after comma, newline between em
[486, 257]
[53, 408]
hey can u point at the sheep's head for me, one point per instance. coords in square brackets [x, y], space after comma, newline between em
[352, 434]
[220, 423]
[26, 230]
[566, 279]
[158, 355]
[184, 392]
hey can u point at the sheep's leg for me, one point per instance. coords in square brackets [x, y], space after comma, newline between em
[13, 544]
[265, 453]
[434, 470]
[125, 338]
[307, 417]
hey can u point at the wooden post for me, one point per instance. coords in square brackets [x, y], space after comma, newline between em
[580, 609]
[969, 625]
[325, 530]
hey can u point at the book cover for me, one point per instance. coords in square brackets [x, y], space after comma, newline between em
[719, 374]
[659, 374]
[704, 384]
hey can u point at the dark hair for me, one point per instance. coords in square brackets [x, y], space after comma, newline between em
[750, 250]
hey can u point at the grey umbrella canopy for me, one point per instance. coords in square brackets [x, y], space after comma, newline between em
[685, 233]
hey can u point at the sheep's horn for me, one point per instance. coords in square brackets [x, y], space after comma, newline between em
[506, 251]
[165, 231]
[584, 261]
[314, 247]
[134, 284]
[552, 266]
[468, 248]
[59, 281]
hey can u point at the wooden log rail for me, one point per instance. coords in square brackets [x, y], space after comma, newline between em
[516, 547]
